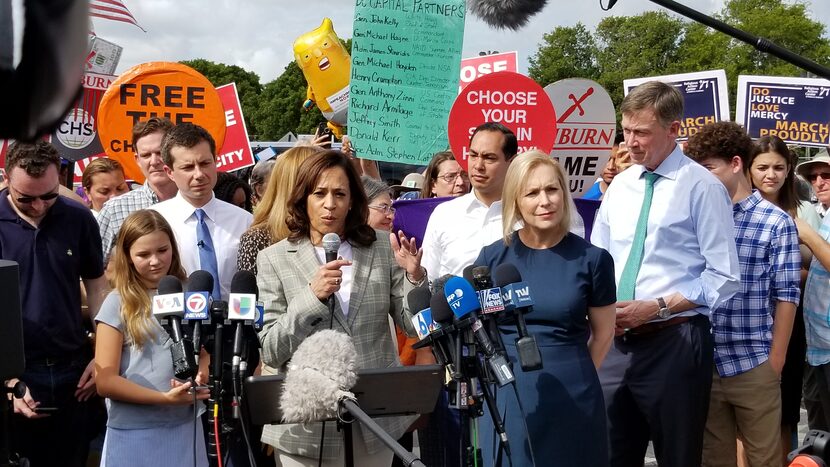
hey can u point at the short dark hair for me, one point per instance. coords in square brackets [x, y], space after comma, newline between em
[226, 186]
[150, 126]
[721, 140]
[357, 230]
[186, 135]
[510, 146]
[35, 158]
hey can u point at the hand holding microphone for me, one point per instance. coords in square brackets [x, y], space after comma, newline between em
[181, 393]
[329, 277]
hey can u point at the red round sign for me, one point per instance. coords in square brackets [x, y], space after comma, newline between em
[508, 98]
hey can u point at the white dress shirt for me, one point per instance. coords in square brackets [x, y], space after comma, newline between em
[456, 232]
[226, 223]
[690, 244]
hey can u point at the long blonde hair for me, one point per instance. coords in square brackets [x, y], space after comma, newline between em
[272, 210]
[514, 183]
[136, 313]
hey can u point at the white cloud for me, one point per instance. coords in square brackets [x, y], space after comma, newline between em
[258, 34]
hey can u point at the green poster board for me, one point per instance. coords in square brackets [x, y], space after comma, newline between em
[406, 60]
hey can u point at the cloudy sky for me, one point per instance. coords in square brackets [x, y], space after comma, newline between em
[258, 34]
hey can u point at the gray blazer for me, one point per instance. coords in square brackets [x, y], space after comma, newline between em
[293, 312]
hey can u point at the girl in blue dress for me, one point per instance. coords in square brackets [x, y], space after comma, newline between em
[572, 285]
[151, 415]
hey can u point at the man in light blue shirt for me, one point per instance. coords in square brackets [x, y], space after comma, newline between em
[667, 222]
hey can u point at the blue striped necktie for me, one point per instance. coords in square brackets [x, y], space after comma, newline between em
[628, 278]
[207, 254]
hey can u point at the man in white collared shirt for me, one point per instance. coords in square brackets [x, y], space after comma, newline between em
[657, 376]
[189, 156]
[458, 229]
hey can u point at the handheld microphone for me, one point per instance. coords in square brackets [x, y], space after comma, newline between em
[168, 305]
[464, 304]
[517, 296]
[331, 245]
[506, 14]
[197, 302]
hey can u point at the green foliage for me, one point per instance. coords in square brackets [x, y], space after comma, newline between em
[654, 43]
[567, 52]
[281, 106]
[247, 85]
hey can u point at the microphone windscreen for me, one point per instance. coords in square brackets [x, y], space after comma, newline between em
[440, 309]
[169, 284]
[506, 273]
[331, 242]
[244, 282]
[502, 14]
[438, 284]
[418, 299]
[200, 281]
[321, 373]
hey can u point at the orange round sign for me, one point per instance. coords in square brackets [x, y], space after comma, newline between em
[156, 89]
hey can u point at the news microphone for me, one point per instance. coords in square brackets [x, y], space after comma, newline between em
[517, 296]
[242, 307]
[331, 245]
[464, 304]
[429, 334]
[321, 373]
[505, 14]
[168, 305]
[197, 303]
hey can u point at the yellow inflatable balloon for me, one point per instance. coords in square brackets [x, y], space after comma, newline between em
[326, 65]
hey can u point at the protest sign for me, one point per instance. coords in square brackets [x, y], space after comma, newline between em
[508, 98]
[103, 56]
[584, 132]
[156, 89]
[797, 110]
[406, 58]
[476, 67]
[705, 98]
[76, 137]
[235, 153]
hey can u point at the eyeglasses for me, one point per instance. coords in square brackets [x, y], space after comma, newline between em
[31, 199]
[450, 177]
[823, 175]
[384, 208]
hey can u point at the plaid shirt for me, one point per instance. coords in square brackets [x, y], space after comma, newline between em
[117, 209]
[770, 262]
[817, 307]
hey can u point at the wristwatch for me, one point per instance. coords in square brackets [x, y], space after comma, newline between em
[663, 312]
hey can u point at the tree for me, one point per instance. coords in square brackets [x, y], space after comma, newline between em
[280, 107]
[247, 85]
[567, 52]
[655, 43]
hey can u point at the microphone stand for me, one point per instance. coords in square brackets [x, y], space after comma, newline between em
[218, 311]
[760, 43]
[349, 412]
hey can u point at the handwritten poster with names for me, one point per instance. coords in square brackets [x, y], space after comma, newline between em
[406, 59]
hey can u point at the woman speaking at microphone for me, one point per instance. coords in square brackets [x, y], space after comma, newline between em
[368, 282]
[572, 285]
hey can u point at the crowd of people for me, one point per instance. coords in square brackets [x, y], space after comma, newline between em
[694, 316]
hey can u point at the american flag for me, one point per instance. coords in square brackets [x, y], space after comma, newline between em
[114, 10]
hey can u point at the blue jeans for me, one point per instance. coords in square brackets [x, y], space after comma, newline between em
[62, 438]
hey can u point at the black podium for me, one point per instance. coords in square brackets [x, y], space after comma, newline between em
[380, 392]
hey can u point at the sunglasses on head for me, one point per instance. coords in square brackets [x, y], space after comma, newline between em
[824, 176]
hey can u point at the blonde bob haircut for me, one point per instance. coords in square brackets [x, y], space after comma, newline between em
[515, 184]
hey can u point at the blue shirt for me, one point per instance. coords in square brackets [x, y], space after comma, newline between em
[767, 243]
[689, 246]
[64, 248]
[595, 192]
[817, 307]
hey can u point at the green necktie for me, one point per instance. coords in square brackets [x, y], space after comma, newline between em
[628, 279]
